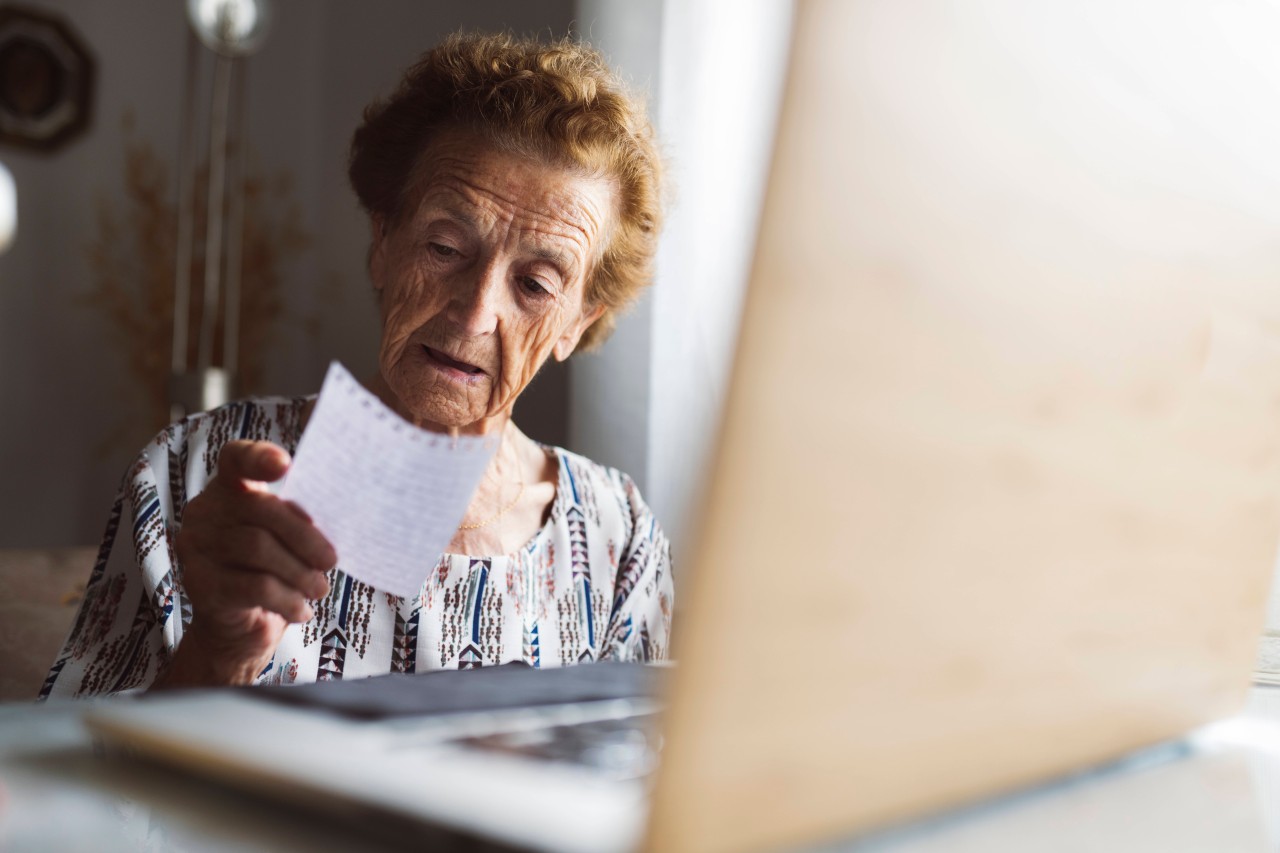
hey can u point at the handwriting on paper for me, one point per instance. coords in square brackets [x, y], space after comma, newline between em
[387, 495]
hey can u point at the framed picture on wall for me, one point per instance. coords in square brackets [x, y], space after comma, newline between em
[46, 79]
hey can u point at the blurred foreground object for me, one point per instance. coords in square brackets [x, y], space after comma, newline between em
[1009, 370]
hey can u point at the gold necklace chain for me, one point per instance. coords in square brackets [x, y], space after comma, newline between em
[500, 513]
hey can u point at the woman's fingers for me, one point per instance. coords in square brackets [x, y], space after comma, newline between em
[241, 463]
[227, 583]
[257, 532]
[250, 562]
[242, 467]
[244, 548]
[258, 549]
[244, 589]
[289, 524]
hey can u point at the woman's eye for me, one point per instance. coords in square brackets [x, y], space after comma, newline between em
[443, 250]
[533, 287]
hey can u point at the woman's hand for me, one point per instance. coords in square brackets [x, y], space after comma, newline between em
[250, 562]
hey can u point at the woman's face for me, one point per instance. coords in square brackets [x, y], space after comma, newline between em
[482, 278]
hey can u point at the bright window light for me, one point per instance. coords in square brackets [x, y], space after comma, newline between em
[8, 208]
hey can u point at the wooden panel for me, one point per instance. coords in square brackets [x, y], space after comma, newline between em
[996, 495]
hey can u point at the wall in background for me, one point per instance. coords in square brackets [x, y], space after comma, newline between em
[69, 427]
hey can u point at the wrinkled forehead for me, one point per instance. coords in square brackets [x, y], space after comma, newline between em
[475, 178]
[451, 142]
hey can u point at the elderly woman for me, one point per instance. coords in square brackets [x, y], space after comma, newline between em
[513, 197]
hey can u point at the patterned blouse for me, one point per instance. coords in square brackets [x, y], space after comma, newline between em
[594, 583]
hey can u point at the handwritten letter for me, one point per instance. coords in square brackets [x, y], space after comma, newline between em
[388, 495]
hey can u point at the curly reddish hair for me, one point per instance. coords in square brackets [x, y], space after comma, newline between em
[559, 102]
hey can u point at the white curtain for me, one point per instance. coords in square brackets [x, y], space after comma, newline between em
[650, 401]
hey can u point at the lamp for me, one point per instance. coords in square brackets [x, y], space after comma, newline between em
[8, 208]
[232, 29]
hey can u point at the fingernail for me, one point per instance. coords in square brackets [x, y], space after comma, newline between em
[308, 614]
[279, 454]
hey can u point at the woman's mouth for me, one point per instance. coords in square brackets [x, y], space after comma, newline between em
[452, 367]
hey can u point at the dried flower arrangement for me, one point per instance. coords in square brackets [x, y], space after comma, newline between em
[132, 259]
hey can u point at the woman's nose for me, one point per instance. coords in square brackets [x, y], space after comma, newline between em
[475, 302]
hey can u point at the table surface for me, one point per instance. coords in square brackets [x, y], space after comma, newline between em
[1217, 790]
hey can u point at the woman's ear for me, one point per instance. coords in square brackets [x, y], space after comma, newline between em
[377, 250]
[569, 340]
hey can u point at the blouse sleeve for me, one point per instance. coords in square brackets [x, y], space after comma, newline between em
[639, 627]
[125, 630]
